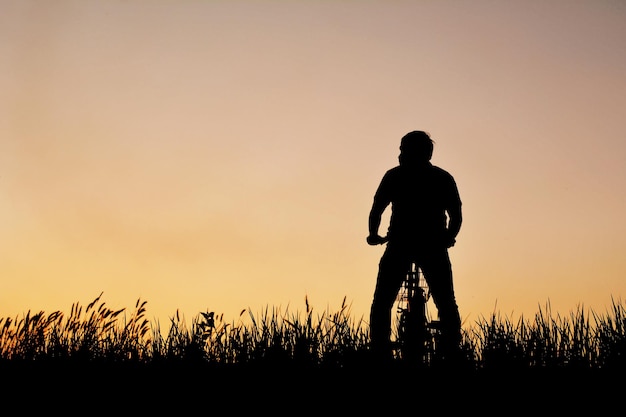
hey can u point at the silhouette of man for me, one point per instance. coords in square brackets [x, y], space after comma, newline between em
[425, 220]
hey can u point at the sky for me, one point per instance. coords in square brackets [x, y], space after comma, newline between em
[223, 155]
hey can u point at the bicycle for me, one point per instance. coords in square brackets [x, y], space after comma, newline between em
[417, 332]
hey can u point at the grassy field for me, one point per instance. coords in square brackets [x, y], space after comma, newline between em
[276, 360]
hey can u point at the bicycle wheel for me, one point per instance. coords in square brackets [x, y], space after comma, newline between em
[413, 333]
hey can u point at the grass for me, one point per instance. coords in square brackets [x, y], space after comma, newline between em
[97, 334]
[284, 360]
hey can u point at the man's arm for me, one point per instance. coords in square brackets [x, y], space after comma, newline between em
[378, 207]
[455, 215]
[454, 211]
[455, 219]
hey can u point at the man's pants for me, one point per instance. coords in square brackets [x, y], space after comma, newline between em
[392, 270]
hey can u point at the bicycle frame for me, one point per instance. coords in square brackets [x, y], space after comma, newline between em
[417, 333]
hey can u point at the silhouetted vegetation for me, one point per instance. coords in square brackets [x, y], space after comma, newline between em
[98, 334]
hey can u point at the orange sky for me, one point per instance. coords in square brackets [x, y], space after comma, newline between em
[223, 155]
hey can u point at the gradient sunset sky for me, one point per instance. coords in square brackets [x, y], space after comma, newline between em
[223, 155]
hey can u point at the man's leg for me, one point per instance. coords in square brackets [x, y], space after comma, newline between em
[438, 274]
[392, 269]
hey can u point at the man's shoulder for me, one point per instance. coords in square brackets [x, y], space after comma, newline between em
[399, 173]
[441, 172]
[393, 171]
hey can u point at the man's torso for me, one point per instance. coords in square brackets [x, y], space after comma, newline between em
[419, 197]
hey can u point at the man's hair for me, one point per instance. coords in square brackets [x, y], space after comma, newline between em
[417, 144]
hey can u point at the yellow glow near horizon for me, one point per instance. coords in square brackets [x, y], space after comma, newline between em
[223, 155]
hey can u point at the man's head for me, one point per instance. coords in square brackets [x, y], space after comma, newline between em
[416, 147]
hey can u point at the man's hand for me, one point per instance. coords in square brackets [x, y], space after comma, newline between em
[450, 240]
[376, 240]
